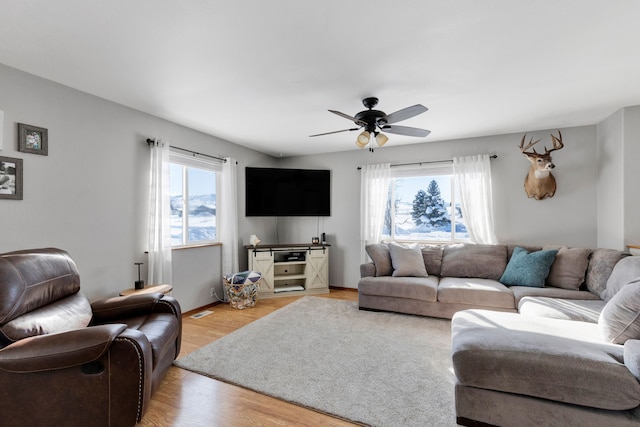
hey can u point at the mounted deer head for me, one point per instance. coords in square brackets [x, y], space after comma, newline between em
[539, 182]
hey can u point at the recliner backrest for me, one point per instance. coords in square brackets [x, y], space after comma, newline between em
[33, 279]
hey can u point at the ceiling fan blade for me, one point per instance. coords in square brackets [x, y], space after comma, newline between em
[405, 130]
[348, 117]
[406, 113]
[335, 131]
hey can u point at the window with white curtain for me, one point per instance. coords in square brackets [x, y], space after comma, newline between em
[424, 205]
[194, 189]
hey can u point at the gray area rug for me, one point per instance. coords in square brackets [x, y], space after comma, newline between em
[379, 369]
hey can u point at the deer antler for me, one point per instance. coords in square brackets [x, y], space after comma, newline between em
[557, 143]
[531, 143]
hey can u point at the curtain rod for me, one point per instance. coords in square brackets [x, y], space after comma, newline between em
[150, 141]
[494, 156]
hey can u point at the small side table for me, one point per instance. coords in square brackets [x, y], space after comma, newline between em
[165, 289]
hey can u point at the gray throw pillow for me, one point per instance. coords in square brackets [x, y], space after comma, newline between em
[601, 265]
[625, 271]
[407, 260]
[569, 269]
[620, 318]
[379, 254]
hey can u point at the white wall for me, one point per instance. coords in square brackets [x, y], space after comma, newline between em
[89, 195]
[610, 207]
[569, 218]
[618, 177]
[631, 175]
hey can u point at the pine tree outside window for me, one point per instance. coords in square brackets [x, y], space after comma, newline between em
[424, 206]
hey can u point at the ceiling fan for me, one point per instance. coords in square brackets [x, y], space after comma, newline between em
[375, 121]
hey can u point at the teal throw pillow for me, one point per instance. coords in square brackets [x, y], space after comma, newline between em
[528, 268]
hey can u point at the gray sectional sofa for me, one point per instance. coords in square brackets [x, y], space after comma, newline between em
[464, 276]
[564, 352]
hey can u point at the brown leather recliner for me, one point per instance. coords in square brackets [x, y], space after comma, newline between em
[64, 361]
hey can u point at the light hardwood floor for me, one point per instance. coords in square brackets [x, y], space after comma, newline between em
[188, 399]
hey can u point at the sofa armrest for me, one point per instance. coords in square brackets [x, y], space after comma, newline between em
[367, 270]
[58, 351]
[632, 357]
[113, 309]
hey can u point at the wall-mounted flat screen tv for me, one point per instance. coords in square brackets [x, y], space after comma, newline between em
[287, 192]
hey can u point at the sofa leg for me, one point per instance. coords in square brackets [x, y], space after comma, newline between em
[471, 423]
[371, 309]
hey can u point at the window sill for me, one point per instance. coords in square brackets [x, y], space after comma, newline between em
[200, 245]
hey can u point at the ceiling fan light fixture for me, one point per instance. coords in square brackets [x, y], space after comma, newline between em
[381, 139]
[363, 139]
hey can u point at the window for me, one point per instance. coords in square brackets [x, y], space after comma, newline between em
[193, 192]
[423, 205]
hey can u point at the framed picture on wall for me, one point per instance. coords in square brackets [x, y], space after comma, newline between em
[10, 178]
[32, 139]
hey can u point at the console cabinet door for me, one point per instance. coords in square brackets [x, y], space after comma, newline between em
[263, 263]
[317, 270]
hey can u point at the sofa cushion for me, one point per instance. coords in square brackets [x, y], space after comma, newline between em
[569, 268]
[419, 288]
[620, 317]
[379, 254]
[559, 360]
[520, 292]
[432, 256]
[528, 268]
[475, 292]
[600, 267]
[469, 260]
[632, 357]
[407, 260]
[557, 308]
[626, 271]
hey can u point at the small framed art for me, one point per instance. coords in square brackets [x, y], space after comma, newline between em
[32, 139]
[10, 178]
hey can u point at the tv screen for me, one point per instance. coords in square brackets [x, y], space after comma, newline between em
[287, 192]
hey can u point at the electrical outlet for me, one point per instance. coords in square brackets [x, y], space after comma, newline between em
[212, 292]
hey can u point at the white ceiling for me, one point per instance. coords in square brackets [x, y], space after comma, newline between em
[263, 73]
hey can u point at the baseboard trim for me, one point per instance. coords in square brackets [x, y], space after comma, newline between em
[199, 309]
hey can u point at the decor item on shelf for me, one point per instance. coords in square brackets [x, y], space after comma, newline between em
[10, 178]
[539, 182]
[315, 240]
[253, 240]
[139, 284]
[374, 122]
[324, 238]
[33, 139]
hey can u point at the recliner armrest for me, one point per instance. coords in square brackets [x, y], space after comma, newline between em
[110, 309]
[59, 351]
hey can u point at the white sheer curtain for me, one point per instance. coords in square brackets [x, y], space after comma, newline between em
[159, 260]
[228, 224]
[374, 192]
[473, 175]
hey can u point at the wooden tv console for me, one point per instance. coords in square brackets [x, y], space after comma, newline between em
[292, 269]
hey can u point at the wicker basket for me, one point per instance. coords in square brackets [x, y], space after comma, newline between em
[241, 290]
